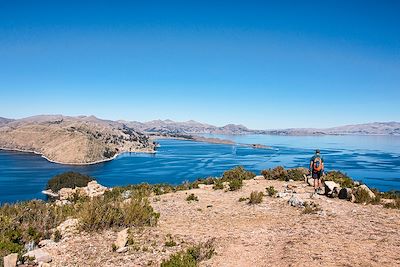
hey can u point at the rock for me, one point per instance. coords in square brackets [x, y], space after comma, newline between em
[68, 227]
[63, 202]
[370, 193]
[281, 194]
[122, 238]
[295, 201]
[44, 264]
[353, 198]
[45, 242]
[66, 193]
[330, 190]
[39, 254]
[10, 260]
[122, 250]
[345, 193]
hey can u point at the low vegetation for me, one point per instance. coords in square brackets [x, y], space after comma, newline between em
[68, 180]
[256, 197]
[279, 173]
[235, 177]
[362, 196]
[192, 197]
[271, 191]
[192, 256]
[341, 178]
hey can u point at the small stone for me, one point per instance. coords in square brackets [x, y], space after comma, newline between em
[44, 264]
[122, 250]
[295, 201]
[122, 238]
[10, 260]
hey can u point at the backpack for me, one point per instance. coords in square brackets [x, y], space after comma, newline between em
[317, 164]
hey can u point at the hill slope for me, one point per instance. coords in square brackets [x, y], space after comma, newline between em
[72, 140]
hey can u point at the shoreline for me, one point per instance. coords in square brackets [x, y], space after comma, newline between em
[75, 164]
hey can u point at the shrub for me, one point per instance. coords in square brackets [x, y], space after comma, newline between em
[295, 174]
[191, 257]
[277, 173]
[218, 184]
[393, 205]
[192, 197]
[338, 177]
[362, 196]
[271, 191]
[256, 197]
[57, 236]
[237, 173]
[25, 222]
[235, 184]
[68, 180]
[101, 213]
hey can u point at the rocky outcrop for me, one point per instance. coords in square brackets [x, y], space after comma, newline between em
[10, 260]
[364, 187]
[39, 255]
[68, 227]
[73, 140]
[332, 189]
[93, 189]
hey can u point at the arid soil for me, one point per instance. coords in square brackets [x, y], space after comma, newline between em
[272, 233]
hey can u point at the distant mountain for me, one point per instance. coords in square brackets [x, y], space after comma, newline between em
[4, 121]
[72, 140]
[375, 128]
[187, 127]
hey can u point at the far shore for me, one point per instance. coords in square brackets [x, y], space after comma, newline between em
[75, 164]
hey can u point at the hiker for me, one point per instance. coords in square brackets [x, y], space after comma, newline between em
[317, 170]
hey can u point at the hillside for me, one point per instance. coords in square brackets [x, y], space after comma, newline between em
[72, 140]
[272, 233]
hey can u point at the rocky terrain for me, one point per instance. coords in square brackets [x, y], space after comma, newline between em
[279, 231]
[72, 140]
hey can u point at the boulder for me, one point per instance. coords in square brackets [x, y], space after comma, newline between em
[295, 201]
[39, 254]
[10, 260]
[370, 193]
[122, 238]
[345, 193]
[330, 190]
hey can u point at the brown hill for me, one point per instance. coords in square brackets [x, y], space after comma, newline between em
[72, 140]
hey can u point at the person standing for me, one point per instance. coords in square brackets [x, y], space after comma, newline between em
[317, 170]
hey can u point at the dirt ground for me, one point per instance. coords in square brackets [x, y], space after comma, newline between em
[272, 233]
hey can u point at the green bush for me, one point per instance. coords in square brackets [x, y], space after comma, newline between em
[190, 257]
[277, 173]
[237, 173]
[393, 205]
[362, 196]
[192, 197]
[68, 180]
[296, 174]
[218, 184]
[101, 213]
[29, 221]
[256, 197]
[243, 199]
[235, 184]
[341, 178]
[271, 191]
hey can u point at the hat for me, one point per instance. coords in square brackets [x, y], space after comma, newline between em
[317, 151]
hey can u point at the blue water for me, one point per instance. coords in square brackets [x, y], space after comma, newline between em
[373, 159]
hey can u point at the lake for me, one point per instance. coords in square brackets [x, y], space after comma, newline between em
[375, 160]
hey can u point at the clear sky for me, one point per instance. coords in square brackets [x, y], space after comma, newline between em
[264, 64]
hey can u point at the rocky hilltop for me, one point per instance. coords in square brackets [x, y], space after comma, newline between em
[72, 140]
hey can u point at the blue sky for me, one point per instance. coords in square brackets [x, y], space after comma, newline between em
[264, 64]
